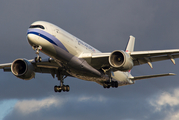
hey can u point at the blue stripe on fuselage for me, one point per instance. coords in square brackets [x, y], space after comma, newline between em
[52, 39]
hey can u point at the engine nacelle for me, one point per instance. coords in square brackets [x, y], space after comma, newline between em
[23, 69]
[120, 60]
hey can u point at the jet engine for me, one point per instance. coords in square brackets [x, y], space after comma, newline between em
[23, 69]
[120, 60]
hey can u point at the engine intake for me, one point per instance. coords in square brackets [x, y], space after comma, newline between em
[120, 60]
[23, 69]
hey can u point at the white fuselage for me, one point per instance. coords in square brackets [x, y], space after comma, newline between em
[63, 47]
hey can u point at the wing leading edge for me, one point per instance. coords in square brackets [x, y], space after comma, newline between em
[47, 65]
[138, 57]
[5, 65]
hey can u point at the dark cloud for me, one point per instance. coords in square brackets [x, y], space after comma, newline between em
[105, 25]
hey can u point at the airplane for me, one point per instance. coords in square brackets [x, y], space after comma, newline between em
[68, 56]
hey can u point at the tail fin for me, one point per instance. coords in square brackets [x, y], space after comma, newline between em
[130, 45]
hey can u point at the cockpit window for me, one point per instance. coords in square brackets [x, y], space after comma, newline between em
[37, 26]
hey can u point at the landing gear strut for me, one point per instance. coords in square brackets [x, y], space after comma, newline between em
[62, 87]
[37, 49]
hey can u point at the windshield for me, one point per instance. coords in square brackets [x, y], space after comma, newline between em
[37, 26]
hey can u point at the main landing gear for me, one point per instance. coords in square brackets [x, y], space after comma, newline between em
[113, 84]
[109, 83]
[62, 87]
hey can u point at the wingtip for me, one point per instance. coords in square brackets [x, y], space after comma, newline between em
[171, 73]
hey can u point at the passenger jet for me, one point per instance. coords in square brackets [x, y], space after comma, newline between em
[71, 57]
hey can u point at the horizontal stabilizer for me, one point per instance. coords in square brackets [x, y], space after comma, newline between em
[151, 76]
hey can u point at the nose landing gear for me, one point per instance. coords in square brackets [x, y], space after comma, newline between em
[37, 49]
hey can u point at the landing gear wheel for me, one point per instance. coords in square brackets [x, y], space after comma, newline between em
[116, 84]
[40, 59]
[67, 88]
[64, 88]
[37, 49]
[104, 85]
[113, 84]
[57, 88]
[36, 59]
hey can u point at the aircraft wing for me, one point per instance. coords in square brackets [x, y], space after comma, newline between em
[45, 66]
[99, 60]
[5, 65]
[142, 57]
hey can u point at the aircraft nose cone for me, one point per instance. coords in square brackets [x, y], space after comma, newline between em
[32, 39]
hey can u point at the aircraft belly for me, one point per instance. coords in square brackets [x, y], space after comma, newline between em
[88, 77]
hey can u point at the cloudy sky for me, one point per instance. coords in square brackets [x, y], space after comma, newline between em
[106, 25]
